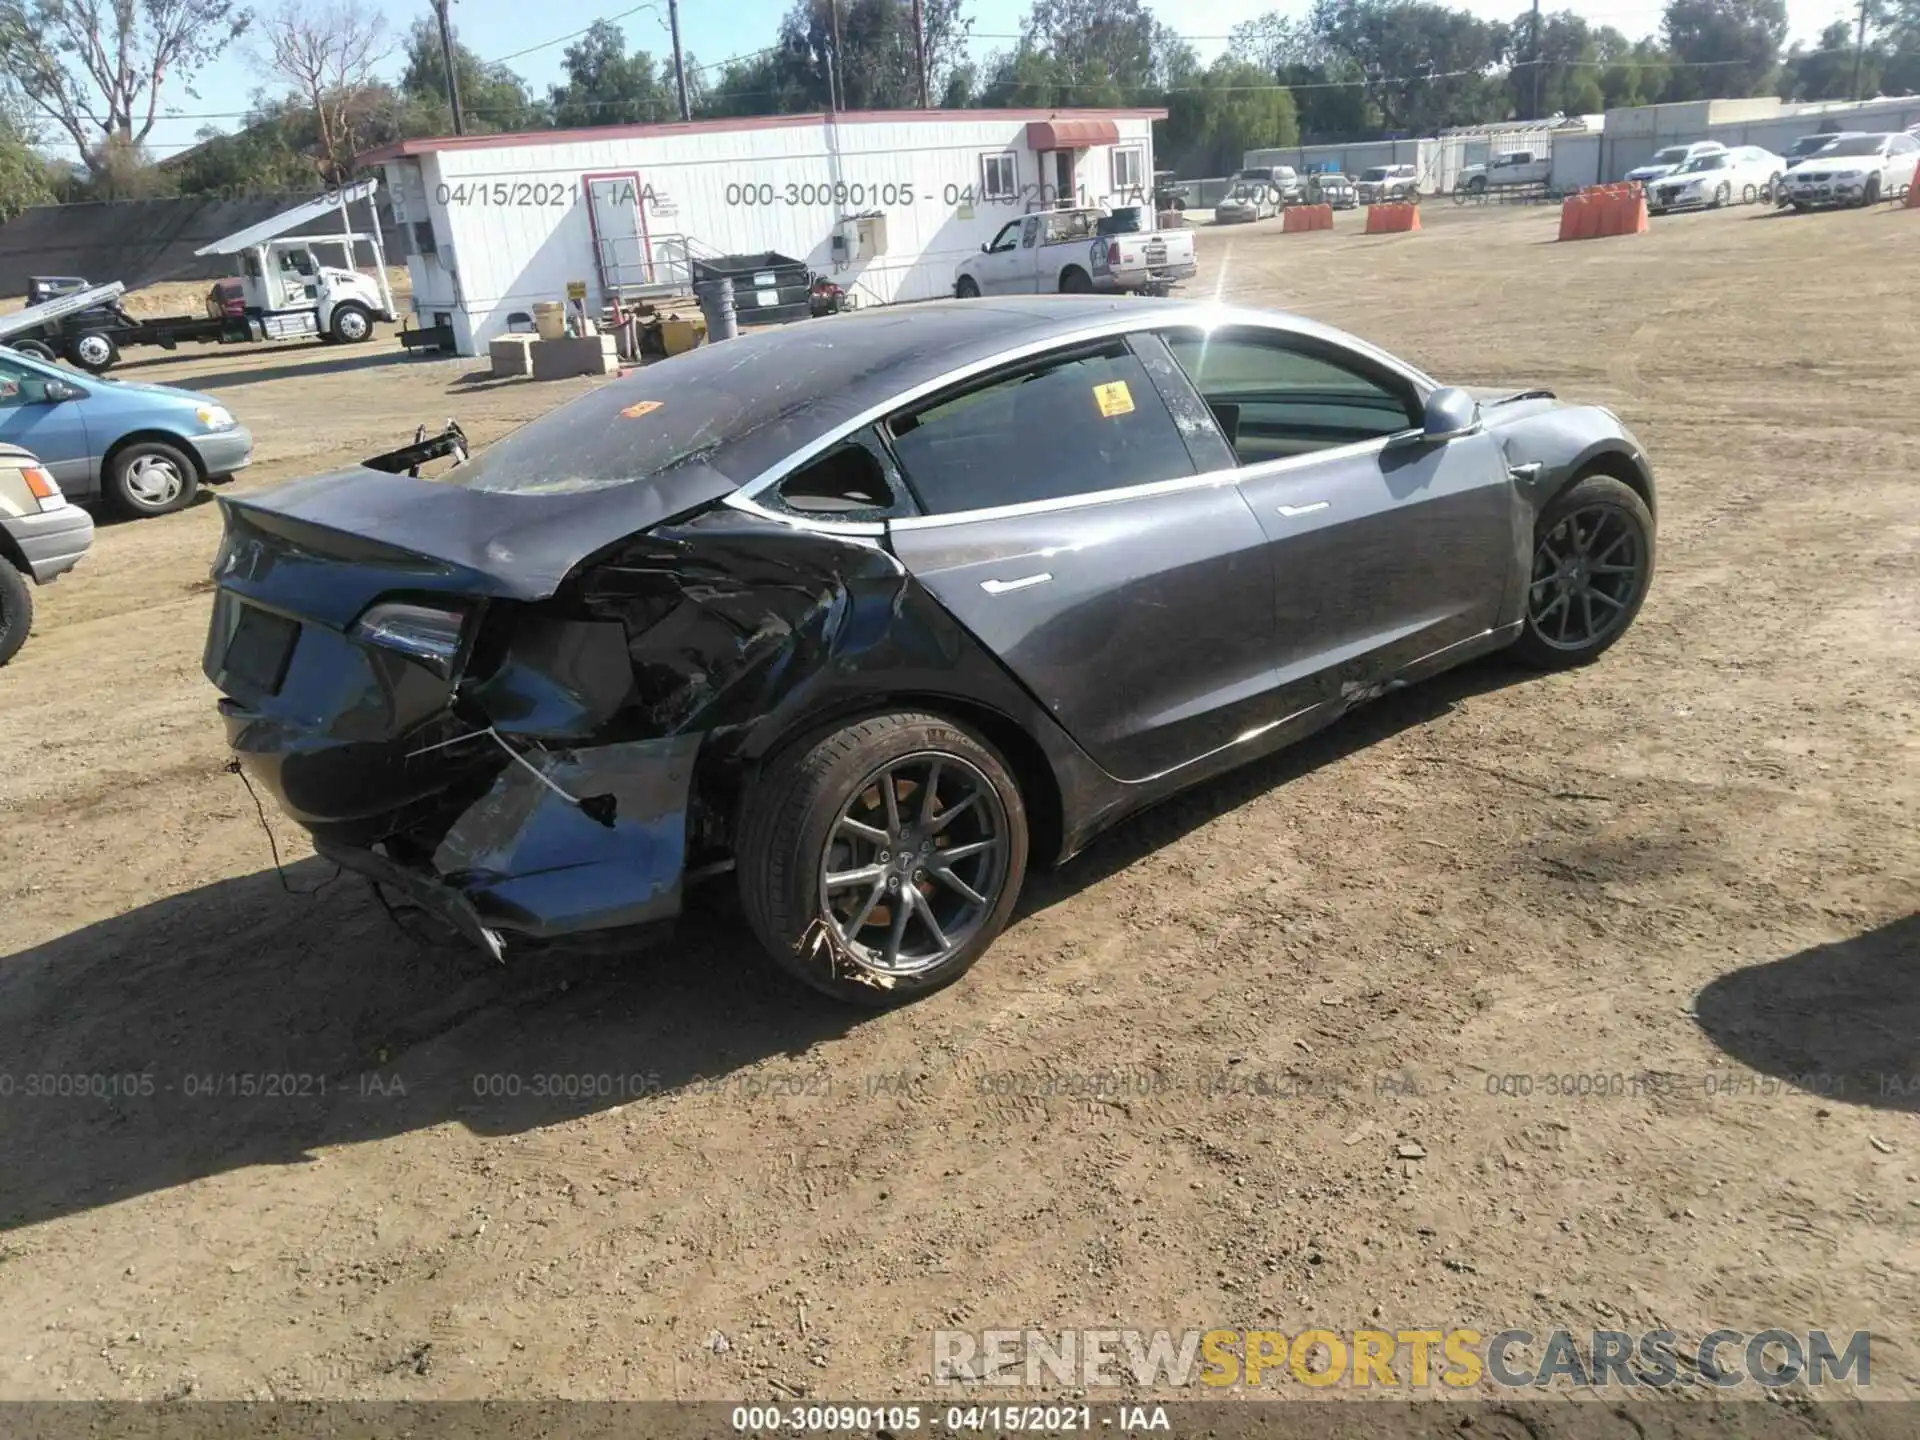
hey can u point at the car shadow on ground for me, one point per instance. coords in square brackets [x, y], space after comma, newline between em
[257, 1019]
[361, 358]
[1841, 1021]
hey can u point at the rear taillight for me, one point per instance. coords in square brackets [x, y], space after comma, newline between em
[427, 633]
[41, 486]
[1113, 253]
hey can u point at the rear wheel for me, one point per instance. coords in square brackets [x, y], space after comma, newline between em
[1075, 281]
[93, 350]
[1592, 562]
[879, 861]
[16, 610]
[35, 348]
[966, 288]
[149, 477]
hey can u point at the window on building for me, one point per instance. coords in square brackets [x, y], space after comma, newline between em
[999, 176]
[1129, 169]
[1072, 424]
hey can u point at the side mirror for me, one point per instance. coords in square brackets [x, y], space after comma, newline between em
[1450, 413]
[58, 390]
[985, 248]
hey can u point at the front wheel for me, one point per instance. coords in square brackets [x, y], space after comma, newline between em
[36, 349]
[16, 610]
[1592, 562]
[1871, 195]
[1722, 195]
[879, 861]
[152, 478]
[351, 323]
[966, 288]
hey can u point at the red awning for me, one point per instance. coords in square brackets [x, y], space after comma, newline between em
[1071, 134]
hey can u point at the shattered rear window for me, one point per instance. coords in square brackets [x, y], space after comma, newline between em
[694, 407]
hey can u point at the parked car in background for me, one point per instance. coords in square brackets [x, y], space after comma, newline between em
[881, 613]
[1244, 202]
[1386, 183]
[1078, 250]
[1804, 149]
[1858, 169]
[1512, 170]
[41, 538]
[1281, 182]
[1666, 161]
[1330, 187]
[145, 448]
[1746, 173]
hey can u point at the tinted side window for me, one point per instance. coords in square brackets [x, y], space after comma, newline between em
[1066, 425]
[1276, 398]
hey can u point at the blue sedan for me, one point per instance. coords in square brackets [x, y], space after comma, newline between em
[147, 448]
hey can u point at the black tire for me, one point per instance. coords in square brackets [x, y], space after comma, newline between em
[16, 610]
[1871, 195]
[351, 323]
[791, 830]
[37, 349]
[1625, 513]
[150, 477]
[966, 288]
[93, 351]
[1075, 281]
[1723, 196]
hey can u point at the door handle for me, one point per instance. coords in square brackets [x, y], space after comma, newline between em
[1526, 474]
[1002, 587]
[1292, 511]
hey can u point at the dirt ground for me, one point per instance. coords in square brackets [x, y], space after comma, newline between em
[1326, 996]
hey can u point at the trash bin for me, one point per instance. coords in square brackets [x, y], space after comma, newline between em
[768, 288]
[716, 304]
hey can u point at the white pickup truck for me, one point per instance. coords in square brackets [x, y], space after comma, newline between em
[1077, 251]
[1512, 170]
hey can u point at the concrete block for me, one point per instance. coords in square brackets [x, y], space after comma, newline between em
[509, 356]
[575, 355]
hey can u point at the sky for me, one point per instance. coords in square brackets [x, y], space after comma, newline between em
[531, 40]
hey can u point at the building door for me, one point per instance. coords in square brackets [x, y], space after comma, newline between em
[623, 253]
[1064, 190]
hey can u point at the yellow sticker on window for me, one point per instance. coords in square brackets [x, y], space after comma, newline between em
[1114, 399]
[643, 407]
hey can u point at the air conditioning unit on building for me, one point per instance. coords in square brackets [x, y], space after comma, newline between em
[859, 237]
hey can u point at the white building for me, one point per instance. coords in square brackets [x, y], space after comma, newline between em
[883, 203]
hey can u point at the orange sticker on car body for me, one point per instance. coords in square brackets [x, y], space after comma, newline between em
[642, 407]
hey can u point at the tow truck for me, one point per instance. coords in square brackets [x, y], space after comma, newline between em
[286, 290]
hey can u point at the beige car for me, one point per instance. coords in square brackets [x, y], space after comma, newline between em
[42, 536]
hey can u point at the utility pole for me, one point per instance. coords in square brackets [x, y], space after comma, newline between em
[836, 77]
[920, 53]
[679, 60]
[1536, 60]
[1859, 51]
[446, 53]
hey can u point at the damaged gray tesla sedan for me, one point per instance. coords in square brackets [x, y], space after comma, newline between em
[880, 610]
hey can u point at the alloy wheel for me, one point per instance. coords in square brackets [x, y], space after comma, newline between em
[352, 325]
[915, 864]
[94, 351]
[1586, 572]
[154, 480]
